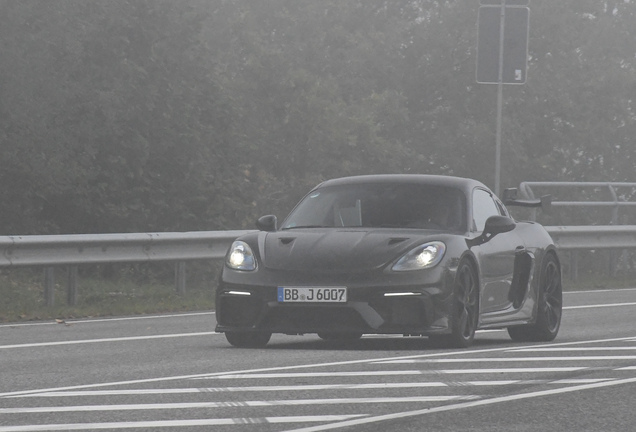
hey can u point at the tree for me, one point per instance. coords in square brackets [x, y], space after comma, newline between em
[128, 126]
[155, 115]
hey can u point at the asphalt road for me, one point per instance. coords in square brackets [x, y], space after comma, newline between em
[172, 372]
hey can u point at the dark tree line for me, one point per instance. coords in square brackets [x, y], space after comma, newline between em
[161, 115]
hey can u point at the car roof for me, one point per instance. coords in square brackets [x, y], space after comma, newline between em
[461, 183]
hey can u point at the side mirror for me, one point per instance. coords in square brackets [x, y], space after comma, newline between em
[498, 225]
[494, 225]
[267, 223]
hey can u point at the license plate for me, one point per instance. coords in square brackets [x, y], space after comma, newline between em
[312, 294]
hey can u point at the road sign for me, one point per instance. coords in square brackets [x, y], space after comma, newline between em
[515, 43]
[508, 2]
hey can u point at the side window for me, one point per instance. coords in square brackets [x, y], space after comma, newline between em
[483, 207]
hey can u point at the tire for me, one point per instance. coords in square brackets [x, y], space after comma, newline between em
[340, 336]
[549, 306]
[465, 309]
[247, 340]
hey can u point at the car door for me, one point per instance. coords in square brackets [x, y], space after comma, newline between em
[496, 256]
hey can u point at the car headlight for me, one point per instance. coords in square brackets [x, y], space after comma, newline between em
[240, 257]
[424, 256]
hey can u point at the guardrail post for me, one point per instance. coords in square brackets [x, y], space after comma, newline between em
[72, 286]
[574, 266]
[49, 286]
[180, 277]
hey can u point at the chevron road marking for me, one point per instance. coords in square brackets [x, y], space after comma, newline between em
[463, 405]
[177, 423]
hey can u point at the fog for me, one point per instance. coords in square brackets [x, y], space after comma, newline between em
[162, 115]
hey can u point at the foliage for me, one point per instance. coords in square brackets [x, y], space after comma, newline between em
[156, 115]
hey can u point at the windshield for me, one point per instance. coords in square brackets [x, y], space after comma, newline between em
[396, 205]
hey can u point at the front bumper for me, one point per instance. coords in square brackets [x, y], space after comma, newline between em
[414, 308]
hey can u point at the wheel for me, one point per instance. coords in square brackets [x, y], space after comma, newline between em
[248, 340]
[340, 336]
[549, 306]
[465, 309]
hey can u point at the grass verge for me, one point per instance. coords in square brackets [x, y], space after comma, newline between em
[120, 294]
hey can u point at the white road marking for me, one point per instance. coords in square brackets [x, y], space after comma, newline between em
[503, 370]
[307, 366]
[599, 306]
[581, 380]
[389, 373]
[599, 291]
[101, 320]
[314, 374]
[178, 423]
[340, 421]
[91, 341]
[463, 405]
[309, 387]
[504, 360]
[235, 404]
[574, 349]
[305, 387]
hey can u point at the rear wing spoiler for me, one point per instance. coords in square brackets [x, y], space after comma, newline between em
[510, 198]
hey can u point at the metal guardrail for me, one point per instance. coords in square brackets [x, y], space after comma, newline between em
[103, 248]
[593, 237]
[76, 249]
[617, 197]
[526, 191]
[573, 239]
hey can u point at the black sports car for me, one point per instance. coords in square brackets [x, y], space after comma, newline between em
[416, 255]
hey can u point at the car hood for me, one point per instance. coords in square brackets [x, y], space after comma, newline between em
[335, 249]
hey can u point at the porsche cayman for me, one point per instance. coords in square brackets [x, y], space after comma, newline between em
[413, 255]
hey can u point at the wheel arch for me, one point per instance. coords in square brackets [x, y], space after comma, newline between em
[474, 262]
[550, 251]
[553, 251]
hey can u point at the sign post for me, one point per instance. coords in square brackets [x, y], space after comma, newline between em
[502, 53]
